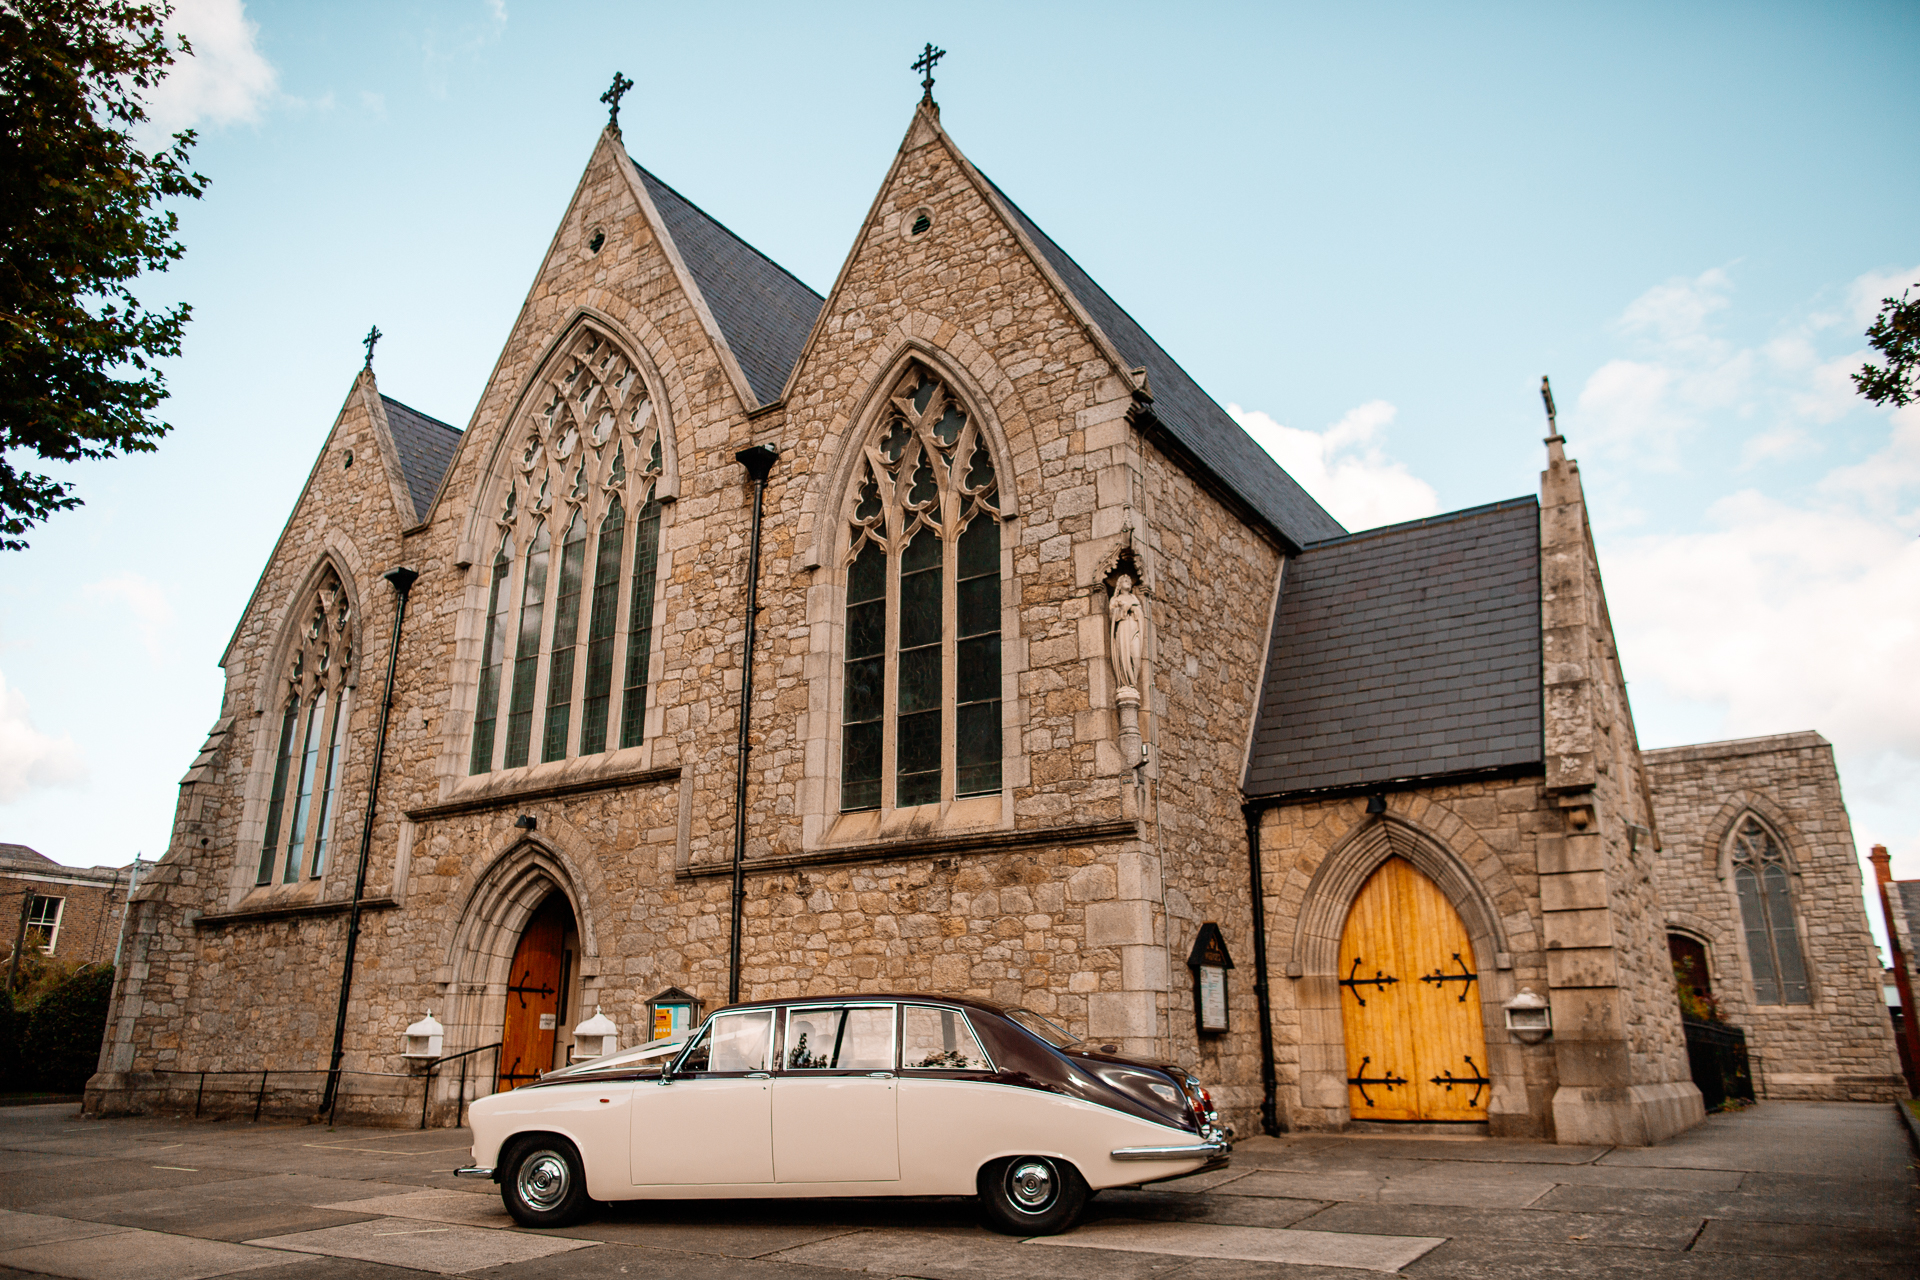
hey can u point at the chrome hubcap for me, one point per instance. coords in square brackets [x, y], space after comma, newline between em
[542, 1181]
[1030, 1185]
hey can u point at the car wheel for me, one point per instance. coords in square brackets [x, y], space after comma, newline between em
[1032, 1195]
[544, 1183]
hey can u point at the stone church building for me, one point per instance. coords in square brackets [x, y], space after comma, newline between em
[1006, 664]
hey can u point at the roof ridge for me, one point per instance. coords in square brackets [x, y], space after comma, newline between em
[1444, 517]
[739, 239]
[426, 417]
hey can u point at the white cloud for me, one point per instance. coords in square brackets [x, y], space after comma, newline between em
[30, 759]
[227, 78]
[145, 600]
[1342, 467]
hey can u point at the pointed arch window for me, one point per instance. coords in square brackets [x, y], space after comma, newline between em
[582, 593]
[311, 745]
[1762, 881]
[920, 712]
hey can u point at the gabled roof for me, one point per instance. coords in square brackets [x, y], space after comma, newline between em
[425, 446]
[1190, 415]
[764, 311]
[1411, 651]
[21, 853]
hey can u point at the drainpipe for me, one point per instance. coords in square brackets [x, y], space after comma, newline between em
[1269, 1077]
[402, 581]
[758, 461]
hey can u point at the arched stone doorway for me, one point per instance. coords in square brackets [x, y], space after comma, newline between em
[536, 1023]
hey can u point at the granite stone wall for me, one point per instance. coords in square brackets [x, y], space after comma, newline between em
[1840, 1047]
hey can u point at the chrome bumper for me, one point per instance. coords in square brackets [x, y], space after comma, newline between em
[473, 1171]
[1213, 1150]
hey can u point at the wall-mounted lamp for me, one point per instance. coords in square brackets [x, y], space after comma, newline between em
[423, 1038]
[526, 822]
[1376, 805]
[1529, 1018]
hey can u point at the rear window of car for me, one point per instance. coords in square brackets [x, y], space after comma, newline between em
[855, 1039]
[933, 1039]
[1041, 1027]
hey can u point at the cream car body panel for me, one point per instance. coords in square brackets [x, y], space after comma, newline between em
[836, 1129]
[717, 1132]
[592, 1116]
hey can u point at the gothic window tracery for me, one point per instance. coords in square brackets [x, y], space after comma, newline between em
[1762, 881]
[920, 719]
[588, 453]
[303, 794]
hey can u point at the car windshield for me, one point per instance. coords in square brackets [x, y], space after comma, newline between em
[1041, 1027]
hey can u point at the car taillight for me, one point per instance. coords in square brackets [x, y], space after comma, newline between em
[1206, 1117]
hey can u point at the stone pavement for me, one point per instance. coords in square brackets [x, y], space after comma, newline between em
[1781, 1190]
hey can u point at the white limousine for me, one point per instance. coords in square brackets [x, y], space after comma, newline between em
[858, 1096]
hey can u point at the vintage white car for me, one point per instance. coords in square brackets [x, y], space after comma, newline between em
[858, 1096]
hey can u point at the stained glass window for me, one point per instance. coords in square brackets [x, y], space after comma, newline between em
[566, 636]
[1762, 880]
[920, 716]
[313, 724]
[493, 653]
[601, 617]
[591, 418]
[277, 798]
[646, 558]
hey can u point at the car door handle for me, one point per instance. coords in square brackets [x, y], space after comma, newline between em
[879, 1075]
[758, 1075]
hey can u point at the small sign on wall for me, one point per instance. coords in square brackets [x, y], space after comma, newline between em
[549, 1021]
[673, 1014]
[1209, 961]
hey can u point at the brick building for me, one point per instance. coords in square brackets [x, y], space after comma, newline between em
[1058, 683]
[70, 913]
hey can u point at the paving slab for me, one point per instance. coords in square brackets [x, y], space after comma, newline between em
[18, 1230]
[141, 1255]
[1806, 1240]
[974, 1255]
[407, 1242]
[627, 1262]
[51, 1187]
[1249, 1244]
[1673, 1234]
[1843, 1139]
[1517, 1260]
[1422, 1186]
[432, 1206]
[1749, 1208]
[1239, 1211]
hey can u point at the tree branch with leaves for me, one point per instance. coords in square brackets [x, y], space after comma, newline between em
[1895, 334]
[82, 217]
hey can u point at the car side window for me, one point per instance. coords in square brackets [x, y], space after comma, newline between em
[732, 1042]
[939, 1040]
[858, 1039]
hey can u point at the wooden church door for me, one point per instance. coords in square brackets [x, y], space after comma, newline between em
[533, 996]
[1410, 1003]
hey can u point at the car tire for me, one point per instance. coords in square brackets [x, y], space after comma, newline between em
[544, 1183]
[1032, 1195]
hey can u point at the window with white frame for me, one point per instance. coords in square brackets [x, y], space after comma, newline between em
[570, 601]
[310, 744]
[43, 922]
[1762, 881]
[920, 712]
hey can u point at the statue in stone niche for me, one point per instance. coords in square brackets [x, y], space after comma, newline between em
[1129, 633]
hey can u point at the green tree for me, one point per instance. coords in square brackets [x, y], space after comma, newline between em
[1895, 334]
[64, 1028]
[81, 218]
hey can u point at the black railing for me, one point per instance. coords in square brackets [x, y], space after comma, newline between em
[302, 1091]
[1718, 1061]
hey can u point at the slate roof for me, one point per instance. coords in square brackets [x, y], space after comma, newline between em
[762, 308]
[1190, 414]
[21, 853]
[1406, 652]
[426, 448]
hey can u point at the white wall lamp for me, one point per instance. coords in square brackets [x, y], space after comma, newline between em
[1529, 1018]
[595, 1038]
[423, 1038]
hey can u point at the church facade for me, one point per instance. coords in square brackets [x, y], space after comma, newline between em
[948, 618]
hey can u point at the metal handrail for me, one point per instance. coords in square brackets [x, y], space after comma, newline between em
[267, 1073]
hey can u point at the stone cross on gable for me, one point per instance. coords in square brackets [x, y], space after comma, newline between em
[616, 91]
[925, 62]
[373, 335]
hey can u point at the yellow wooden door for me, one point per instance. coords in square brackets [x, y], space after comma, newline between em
[1410, 1003]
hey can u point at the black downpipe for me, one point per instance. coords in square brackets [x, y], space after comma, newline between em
[1269, 1076]
[758, 461]
[402, 581]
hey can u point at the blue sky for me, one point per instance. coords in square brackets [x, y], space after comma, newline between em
[1369, 228]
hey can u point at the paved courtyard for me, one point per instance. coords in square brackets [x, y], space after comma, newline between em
[1783, 1189]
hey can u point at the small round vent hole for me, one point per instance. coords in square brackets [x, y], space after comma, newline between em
[921, 223]
[594, 241]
